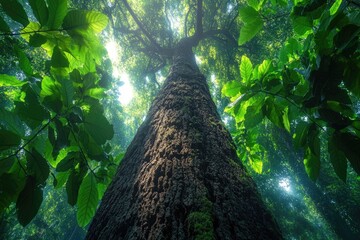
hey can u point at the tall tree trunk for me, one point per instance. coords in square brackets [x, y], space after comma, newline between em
[180, 177]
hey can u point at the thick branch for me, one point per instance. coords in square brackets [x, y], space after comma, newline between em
[141, 26]
[199, 25]
[212, 33]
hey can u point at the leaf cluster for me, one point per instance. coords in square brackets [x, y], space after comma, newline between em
[312, 87]
[55, 124]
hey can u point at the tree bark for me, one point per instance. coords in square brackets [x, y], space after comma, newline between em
[181, 177]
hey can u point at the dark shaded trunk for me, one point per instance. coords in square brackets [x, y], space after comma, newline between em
[180, 177]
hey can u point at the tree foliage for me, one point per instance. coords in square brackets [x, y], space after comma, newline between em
[54, 122]
[310, 88]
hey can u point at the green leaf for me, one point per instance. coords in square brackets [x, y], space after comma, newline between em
[3, 25]
[40, 10]
[36, 40]
[98, 126]
[300, 135]
[8, 139]
[256, 4]
[301, 25]
[24, 62]
[338, 159]
[256, 164]
[285, 118]
[97, 93]
[10, 81]
[349, 144]
[246, 68]
[5, 163]
[28, 202]
[57, 12]
[67, 163]
[31, 111]
[87, 200]
[10, 186]
[50, 87]
[312, 164]
[252, 24]
[58, 58]
[38, 166]
[277, 114]
[231, 89]
[72, 187]
[15, 10]
[264, 67]
[61, 178]
[85, 20]
[11, 121]
[335, 7]
[352, 77]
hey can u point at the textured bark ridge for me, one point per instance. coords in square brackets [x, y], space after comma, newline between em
[181, 178]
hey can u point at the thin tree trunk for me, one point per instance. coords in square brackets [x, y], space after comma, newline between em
[180, 177]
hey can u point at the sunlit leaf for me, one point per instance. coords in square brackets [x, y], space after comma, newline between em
[15, 10]
[57, 12]
[252, 24]
[84, 20]
[97, 93]
[87, 200]
[246, 68]
[10, 81]
[40, 10]
[264, 67]
[29, 201]
[231, 89]
[335, 7]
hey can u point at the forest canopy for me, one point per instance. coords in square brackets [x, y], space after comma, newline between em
[282, 73]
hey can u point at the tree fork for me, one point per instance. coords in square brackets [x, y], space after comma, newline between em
[181, 177]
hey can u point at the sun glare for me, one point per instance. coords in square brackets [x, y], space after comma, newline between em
[285, 184]
[126, 90]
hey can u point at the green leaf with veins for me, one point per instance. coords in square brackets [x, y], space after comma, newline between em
[77, 20]
[40, 10]
[87, 200]
[7, 81]
[57, 12]
[246, 68]
[252, 24]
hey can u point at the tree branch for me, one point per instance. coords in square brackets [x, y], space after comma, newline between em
[141, 26]
[199, 13]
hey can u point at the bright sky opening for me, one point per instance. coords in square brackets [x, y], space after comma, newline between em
[126, 92]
